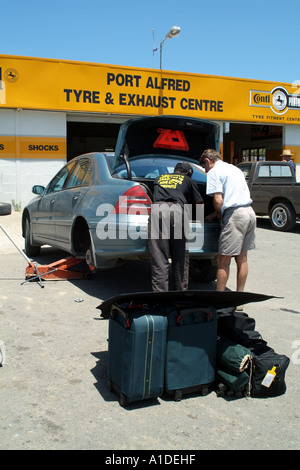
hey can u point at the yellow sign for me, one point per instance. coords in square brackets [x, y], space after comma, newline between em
[88, 87]
[33, 147]
[7, 146]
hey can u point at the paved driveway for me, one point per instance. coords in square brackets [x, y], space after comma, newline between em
[53, 387]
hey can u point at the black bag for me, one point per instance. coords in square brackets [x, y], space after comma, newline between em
[233, 320]
[268, 374]
[240, 328]
[268, 368]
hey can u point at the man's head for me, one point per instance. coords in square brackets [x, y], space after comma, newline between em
[208, 159]
[286, 155]
[184, 169]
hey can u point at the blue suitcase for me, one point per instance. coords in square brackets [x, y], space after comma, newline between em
[191, 349]
[136, 353]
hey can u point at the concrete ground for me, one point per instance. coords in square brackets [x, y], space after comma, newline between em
[53, 384]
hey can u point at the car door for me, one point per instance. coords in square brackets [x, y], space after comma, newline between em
[43, 218]
[68, 200]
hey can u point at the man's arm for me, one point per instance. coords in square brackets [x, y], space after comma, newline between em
[218, 202]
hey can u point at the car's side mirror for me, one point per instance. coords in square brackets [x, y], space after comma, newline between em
[37, 189]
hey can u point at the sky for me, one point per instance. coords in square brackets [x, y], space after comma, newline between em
[257, 40]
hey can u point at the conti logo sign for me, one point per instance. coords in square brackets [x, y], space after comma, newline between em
[278, 100]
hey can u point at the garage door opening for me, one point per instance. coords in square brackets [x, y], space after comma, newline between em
[251, 142]
[84, 137]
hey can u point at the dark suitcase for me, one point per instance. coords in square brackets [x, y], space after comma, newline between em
[136, 353]
[191, 349]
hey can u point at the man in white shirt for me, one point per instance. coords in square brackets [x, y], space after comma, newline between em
[232, 202]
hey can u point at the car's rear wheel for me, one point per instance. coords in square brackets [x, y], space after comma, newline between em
[89, 258]
[82, 243]
[283, 217]
[30, 249]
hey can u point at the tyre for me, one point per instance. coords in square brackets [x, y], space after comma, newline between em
[89, 259]
[203, 270]
[283, 217]
[5, 208]
[30, 250]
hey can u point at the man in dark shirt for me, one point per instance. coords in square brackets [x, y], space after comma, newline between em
[168, 225]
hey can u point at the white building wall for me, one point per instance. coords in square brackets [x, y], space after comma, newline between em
[20, 173]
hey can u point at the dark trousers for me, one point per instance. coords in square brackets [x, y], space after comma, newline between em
[166, 239]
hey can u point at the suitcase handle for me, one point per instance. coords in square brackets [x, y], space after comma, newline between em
[206, 312]
[116, 308]
[125, 314]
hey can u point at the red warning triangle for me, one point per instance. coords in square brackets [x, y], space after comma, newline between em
[171, 139]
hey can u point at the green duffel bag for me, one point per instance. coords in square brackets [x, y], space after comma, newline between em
[232, 356]
[235, 382]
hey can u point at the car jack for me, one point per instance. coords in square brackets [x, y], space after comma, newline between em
[59, 270]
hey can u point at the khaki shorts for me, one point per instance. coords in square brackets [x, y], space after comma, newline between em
[237, 231]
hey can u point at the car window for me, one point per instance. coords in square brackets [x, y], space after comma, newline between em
[275, 171]
[110, 160]
[57, 183]
[81, 175]
[246, 171]
[152, 167]
[264, 172]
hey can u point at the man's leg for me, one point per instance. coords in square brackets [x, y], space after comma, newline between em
[159, 265]
[180, 264]
[223, 271]
[178, 249]
[159, 251]
[242, 271]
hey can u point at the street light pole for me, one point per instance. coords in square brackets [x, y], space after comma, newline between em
[160, 54]
[174, 31]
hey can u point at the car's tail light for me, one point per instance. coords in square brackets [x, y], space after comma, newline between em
[134, 201]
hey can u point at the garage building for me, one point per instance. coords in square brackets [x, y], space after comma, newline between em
[53, 110]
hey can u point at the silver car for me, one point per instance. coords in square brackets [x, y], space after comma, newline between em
[97, 206]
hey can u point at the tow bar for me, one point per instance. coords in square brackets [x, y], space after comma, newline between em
[59, 270]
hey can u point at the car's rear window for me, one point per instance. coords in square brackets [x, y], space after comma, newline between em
[274, 171]
[152, 167]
